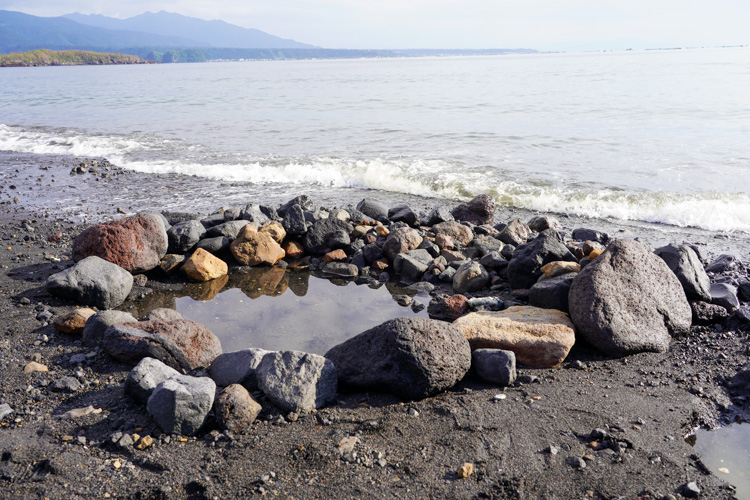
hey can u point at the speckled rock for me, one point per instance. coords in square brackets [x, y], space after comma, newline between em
[92, 281]
[253, 248]
[295, 380]
[235, 409]
[204, 266]
[73, 322]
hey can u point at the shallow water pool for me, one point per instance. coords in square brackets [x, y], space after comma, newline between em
[726, 452]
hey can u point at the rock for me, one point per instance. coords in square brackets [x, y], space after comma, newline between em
[465, 470]
[293, 249]
[558, 268]
[685, 264]
[705, 313]
[162, 314]
[494, 365]
[493, 260]
[235, 409]
[74, 321]
[66, 384]
[230, 229]
[34, 367]
[372, 208]
[97, 324]
[448, 307]
[552, 293]
[171, 263]
[180, 404]
[181, 344]
[372, 252]
[724, 295]
[628, 301]
[204, 266]
[145, 376]
[255, 248]
[539, 337]
[341, 214]
[297, 381]
[739, 385]
[410, 357]
[136, 244]
[237, 368]
[438, 215]
[690, 490]
[486, 304]
[275, 230]
[470, 277]
[327, 234]
[514, 233]
[254, 213]
[459, 233]
[541, 223]
[185, 235]
[340, 270]
[212, 220]
[524, 269]
[92, 281]
[487, 244]
[403, 213]
[303, 201]
[213, 245]
[401, 240]
[412, 264]
[5, 410]
[335, 256]
[294, 222]
[582, 234]
[723, 263]
[576, 462]
[479, 211]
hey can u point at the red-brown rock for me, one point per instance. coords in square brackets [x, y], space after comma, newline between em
[448, 307]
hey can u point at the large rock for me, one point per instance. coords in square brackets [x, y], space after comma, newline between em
[470, 277]
[401, 240]
[92, 281]
[253, 248]
[412, 264]
[96, 325]
[204, 266]
[438, 215]
[181, 344]
[230, 229]
[552, 293]
[539, 337]
[514, 233]
[403, 213]
[628, 301]
[145, 376]
[685, 264]
[295, 380]
[255, 213]
[541, 223]
[235, 409]
[185, 235]
[294, 221]
[372, 208]
[524, 269]
[303, 201]
[480, 210]
[448, 307]
[327, 234]
[180, 404]
[459, 233]
[410, 357]
[237, 368]
[136, 244]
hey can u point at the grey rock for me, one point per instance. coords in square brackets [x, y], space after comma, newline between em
[541, 223]
[739, 385]
[480, 210]
[583, 234]
[145, 376]
[422, 288]
[507, 251]
[515, 233]
[691, 490]
[372, 208]
[722, 264]
[684, 262]
[162, 313]
[294, 222]
[177, 217]
[296, 381]
[487, 244]
[303, 201]
[327, 234]
[470, 277]
[486, 303]
[92, 281]
[97, 324]
[403, 213]
[184, 236]
[254, 213]
[432, 248]
[372, 252]
[448, 274]
[494, 365]
[438, 215]
[229, 229]
[552, 293]
[524, 268]
[77, 359]
[66, 384]
[214, 245]
[412, 264]
[180, 404]
[5, 410]
[232, 213]
[410, 357]
[576, 462]
[627, 301]
[340, 270]
[401, 240]
[493, 260]
[743, 291]
[237, 368]
[212, 220]
[724, 295]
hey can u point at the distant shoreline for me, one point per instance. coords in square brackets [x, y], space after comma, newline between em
[45, 57]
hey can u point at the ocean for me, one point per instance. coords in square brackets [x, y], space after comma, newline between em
[652, 136]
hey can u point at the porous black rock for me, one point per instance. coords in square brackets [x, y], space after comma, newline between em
[525, 267]
[685, 264]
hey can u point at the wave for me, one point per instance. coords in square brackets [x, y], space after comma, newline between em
[711, 210]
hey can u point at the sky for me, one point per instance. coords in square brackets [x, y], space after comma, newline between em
[384, 24]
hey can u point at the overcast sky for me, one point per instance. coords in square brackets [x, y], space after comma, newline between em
[539, 24]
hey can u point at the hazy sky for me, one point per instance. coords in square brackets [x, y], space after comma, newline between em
[540, 24]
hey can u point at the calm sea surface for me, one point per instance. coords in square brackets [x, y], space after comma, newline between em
[659, 136]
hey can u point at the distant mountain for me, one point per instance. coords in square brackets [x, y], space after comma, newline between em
[20, 32]
[206, 33]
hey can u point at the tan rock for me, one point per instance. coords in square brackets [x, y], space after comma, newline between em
[445, 242]
[466, 470]
[560, 267]
[293, 250]
[275, 230]
[207, 290]
[539, 337]
[74, 321]
[360, 231]
[380, 264]
[335, 256]
[382, 231]
[204, 266]
[595, 253]
[235, 408]
[460, 234]
[33, 367]
[252, 249]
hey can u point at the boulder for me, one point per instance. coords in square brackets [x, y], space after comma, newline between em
[541, 223]
[275, 230]
[685, 264]
[583, 234]
[401, 240]
[213, 245]
[410, 357]
[235, 409]
[459, 233]
[340, 270]
[74, 322]
[723, 263]
[297, 381]
[180, 404]
[552, 293]
[628, 301]
[96, 325]
[181, 344]
[230, 229]
[92, 281]
[136, 244]
[204, 266]
[412, 264]
[372, 208]
[145, 376]
[448, 307]
[253, 248]
[470, 277]
[524, 269]
[327, 234]
[185, 235]
[254, 213]
[480, 210]
[294, 222]
[494, 365]
[403, 213]
[438, 215]
[724, 295]
[237, 368]
[515, 233]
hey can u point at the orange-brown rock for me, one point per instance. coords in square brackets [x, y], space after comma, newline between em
[275, 230]
[595, 253]
[204, 266]
[559, 267]
[460, 234]
[293, 249]
[256, 248]
[74, 321]
[381, 230]
[335, 256]
[380, 264]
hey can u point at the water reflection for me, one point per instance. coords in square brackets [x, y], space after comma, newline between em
[726, 452]
[254, 308]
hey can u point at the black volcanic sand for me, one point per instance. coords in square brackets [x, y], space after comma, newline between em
[519, 445]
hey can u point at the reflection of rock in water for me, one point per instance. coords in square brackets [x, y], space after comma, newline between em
[258, 281]
[299, 283]
[154, 300]
[206, 290]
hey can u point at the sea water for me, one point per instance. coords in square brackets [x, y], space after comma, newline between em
[658, 136]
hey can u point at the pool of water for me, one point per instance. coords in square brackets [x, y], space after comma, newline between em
[277, 309]
[726, 452]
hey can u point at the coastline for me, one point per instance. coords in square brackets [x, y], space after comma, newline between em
[649, 400]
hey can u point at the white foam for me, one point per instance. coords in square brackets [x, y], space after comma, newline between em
[65, 142]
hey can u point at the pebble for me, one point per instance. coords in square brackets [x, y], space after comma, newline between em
[5, 410]
[34, 367]
[79, 412]
[691, 490]
[413, 413]
[466, 470]
[499, 397]
[575, 462]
